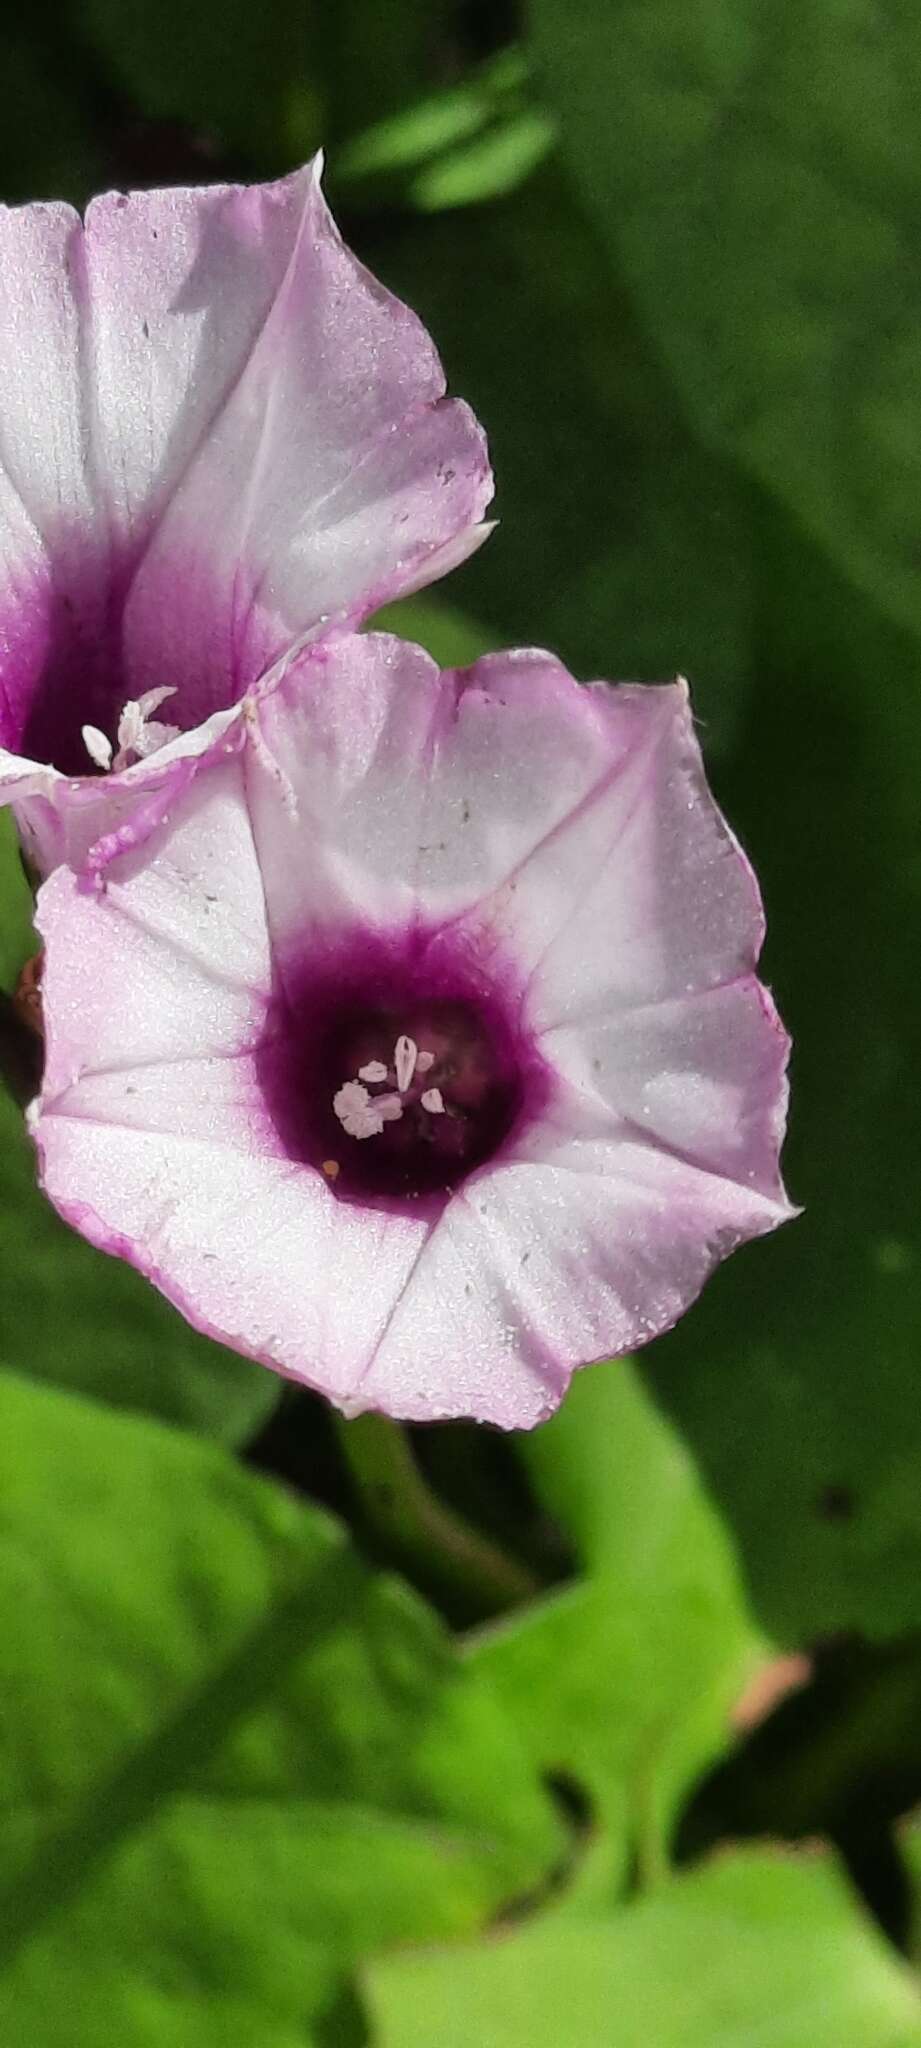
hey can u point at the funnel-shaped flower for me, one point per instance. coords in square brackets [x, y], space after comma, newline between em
[420, 1053]
[217, 434]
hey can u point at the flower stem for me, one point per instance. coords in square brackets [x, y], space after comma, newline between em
[420, 1529]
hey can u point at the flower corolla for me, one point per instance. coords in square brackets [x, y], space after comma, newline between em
[219, 436]
[446, 1068]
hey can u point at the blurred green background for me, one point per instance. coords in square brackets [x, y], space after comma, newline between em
[260, 1789]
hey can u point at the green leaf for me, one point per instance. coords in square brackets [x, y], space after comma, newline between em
[49, 138]
[910, 1844]
[454, 148]
[837, 1756]
[245, 74]
[795, 1379]
[491, 165]
[450, 636]
[231, 1760]
[624, 1681]
[620, 543]
[17, 938]
[754, 1951]
[376, 59]
[410, 138]
[755, 172]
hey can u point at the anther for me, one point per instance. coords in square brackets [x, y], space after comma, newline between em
[97, 746]
[364, 1115]
[139, 733]
[405, 1057]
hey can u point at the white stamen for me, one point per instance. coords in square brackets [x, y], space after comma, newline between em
[97, 746]
[154, 736]
[352, 1105]
[374, 1071]
[363, 1115]
[138, 732]
[424, 1060]
[405, 1055]
[151, 700]
[433, 1101]
[350, 1096]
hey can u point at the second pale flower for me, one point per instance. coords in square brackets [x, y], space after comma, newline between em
[218, 434]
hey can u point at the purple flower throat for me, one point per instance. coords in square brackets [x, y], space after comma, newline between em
[397, 1067]
[81, 686]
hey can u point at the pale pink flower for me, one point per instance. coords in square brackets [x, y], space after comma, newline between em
[420, 1053]
[218, 434]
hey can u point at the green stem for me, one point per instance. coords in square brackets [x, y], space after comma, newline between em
[421, 1530]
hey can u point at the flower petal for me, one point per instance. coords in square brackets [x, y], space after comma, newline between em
[642, 893]
[255, 1252]
[334, 476]
[417, 790]
[184, 932]
[42, 423]
[584, 1246]
[177, 288]
[701, 1075]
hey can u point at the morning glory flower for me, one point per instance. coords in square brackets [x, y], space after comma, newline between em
[445, 1068]
[218, 435]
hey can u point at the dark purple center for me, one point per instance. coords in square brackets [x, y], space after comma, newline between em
[397, 1068]
[70, 674]
[77, 643]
